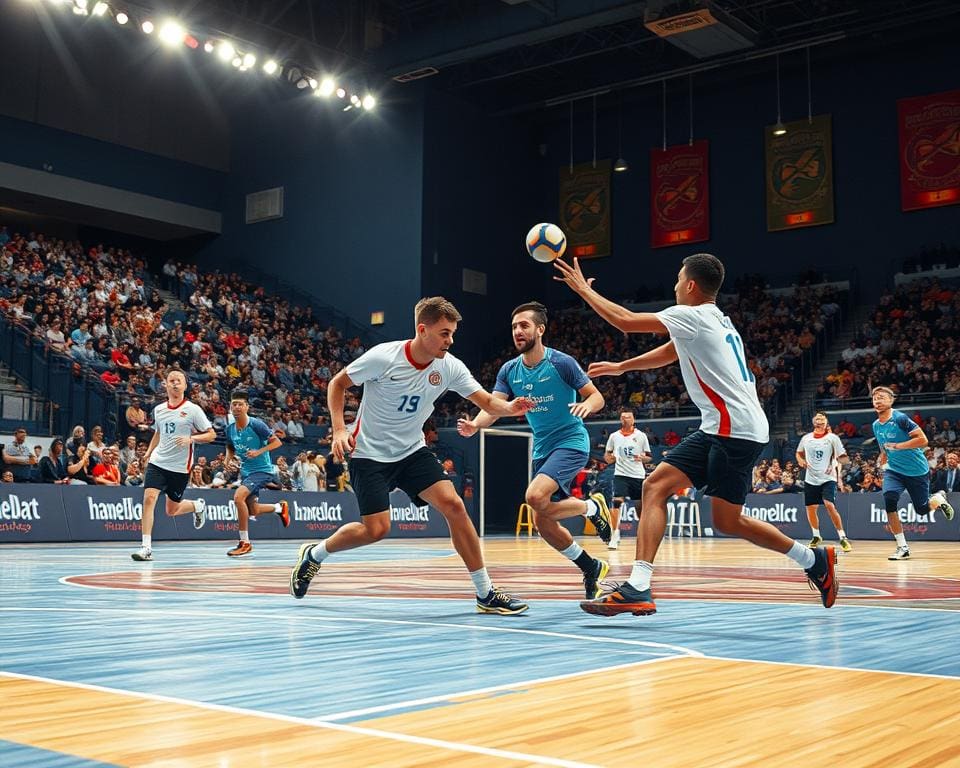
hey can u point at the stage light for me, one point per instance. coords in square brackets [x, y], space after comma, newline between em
[249, 60]
[208, 47]
[147, 27]
[79, 11]
[369, 102]
[226, 51]
[271, 67]
[327, 87]
[191, 42]
[99, 9]
[313, 82]
[341, 93]
[171, 33]
[81, 4]
[122, 18]
[237, 61]
[355, 100]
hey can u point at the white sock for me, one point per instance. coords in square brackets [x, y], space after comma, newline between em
[572, 552]
[591, 509]
[802, 555]
[481, 582]
[147, 540]
[937, 499]
[318, 553]
[901, 539]
[245, 536]
[640, 575]
[815, 532]
[277, 508]
[841, 534]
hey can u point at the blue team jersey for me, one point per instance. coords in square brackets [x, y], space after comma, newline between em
[897, 429]
[253, 436]
[553, 384]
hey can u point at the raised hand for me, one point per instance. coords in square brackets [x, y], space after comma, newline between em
[572, 276]
[604, 369]
[466, 428]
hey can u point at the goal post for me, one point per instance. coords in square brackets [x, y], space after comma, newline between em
[492, 432]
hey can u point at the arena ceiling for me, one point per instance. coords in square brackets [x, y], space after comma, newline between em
[517, 55]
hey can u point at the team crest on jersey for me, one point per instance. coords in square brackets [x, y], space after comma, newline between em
[183, 413]
[434, 378]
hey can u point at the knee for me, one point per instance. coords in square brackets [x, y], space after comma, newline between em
[728, 524]
[890, 500]
[452, 508]
[655, 492]
[536, 498]
[376, 529]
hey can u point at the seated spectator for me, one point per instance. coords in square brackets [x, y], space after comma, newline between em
[196, 478]
[294, 430]
[670, 438]
[133, 476]
[96, 444]
[770, 484]
[870, 483]
[7, 476]
[55, 337]
[79, 466]
[52, 470]
[78, 437]
[845, 428]
[137, 419]
[107, 472]
[128, 453]
[18, 457]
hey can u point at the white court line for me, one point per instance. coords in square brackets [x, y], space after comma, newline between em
[675, 649]
[343, 728]
[491, 689]
[900, 673]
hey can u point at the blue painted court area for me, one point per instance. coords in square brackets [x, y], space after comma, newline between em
[348, 658]
[24, 756]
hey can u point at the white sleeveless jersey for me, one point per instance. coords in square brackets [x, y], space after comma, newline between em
[821, 454]
[185, 419]
[625, 448]
[715, 372]
[398, 397]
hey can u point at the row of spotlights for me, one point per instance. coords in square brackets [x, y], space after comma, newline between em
[171, 33]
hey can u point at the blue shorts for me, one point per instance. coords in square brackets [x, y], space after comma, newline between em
[256, 481]
[721, 466]
[918, 486]
[562, 466]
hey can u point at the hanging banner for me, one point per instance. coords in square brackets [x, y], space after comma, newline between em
[929, 150]
[585, 209]
[679, 195]
[800, 174]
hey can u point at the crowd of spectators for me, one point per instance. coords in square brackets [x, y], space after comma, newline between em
[911, 344]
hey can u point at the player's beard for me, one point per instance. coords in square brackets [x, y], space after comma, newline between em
[526, 345]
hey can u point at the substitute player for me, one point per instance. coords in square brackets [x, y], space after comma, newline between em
[905, 468]
[628, 448]
[251, 440]
[401, 380]
[719, 456]
[819, 452]
[178, 424]
[561, 445]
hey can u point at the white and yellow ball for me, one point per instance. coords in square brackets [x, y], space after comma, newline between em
[546, 242]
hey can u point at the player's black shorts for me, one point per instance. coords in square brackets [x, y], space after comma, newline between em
[817, 494]
[721, 466]
[627, 487]
[165, 481]
[372, 480]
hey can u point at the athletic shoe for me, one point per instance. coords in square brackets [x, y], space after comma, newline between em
[303, 572]
[902, 553]
[591, 581]
[143, 555]
[625, 598]
[601, 520]
[944, 507]
[845, 545]
[500, 602]
[242, 549]
[199, 513]
[823, 575]
[815, 542]
[614, 540]
[284, 514]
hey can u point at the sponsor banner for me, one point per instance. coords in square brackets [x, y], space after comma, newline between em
[929, 128]
[98, 513]
[784, 511]
[30, 512]
[799, 170]
[585, 209]
[679, 195]
[409, 520]
[864, 516]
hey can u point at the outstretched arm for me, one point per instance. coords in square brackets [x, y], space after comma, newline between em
[492, 407]
[655, 358]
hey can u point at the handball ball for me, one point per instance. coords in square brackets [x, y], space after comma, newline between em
[546, 242]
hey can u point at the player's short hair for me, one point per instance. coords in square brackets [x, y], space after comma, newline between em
[706, 270]
[434, 308]
[539, 312]
[175, 370]
[239, 394]
[884, 389]
[627, 410]
[821, 413]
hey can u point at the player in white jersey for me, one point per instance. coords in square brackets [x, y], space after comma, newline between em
[627, 449]
[177, 425]
[401, 380]
[718, 457]
[819, 453]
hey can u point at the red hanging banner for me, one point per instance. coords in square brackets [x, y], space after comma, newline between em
[929, 150]
[679, 195]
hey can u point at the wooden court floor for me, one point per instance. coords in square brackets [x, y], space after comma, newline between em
[200, 660]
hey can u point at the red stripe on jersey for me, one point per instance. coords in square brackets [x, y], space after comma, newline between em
[356, 429]
[174, 407]
[414, 363]
[718, 403]
[189, 457]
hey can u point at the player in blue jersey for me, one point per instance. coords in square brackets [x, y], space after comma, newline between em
[251, 440]
[905, 467]
[561, 445]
